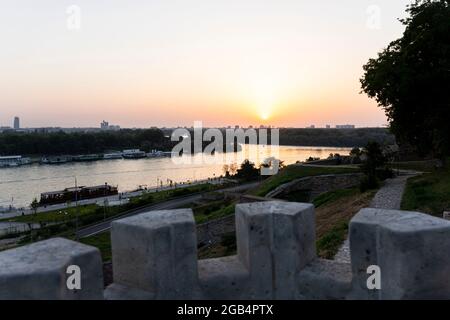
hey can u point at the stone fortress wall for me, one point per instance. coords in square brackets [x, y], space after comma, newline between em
[155, 257]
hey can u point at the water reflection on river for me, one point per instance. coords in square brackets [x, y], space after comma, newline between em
[18, 186]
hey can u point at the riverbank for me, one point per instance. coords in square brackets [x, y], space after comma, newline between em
[19, 186]
[111, 201]
[84, 221]
[58, 221]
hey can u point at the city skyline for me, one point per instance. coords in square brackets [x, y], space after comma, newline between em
[165, 63]
[105, 125]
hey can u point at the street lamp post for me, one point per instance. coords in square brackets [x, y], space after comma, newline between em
[105, 201]
[76, 209]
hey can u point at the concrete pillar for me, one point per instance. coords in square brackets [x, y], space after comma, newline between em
[39, 271]
[156, 252]
[275, 240]
[412, 250]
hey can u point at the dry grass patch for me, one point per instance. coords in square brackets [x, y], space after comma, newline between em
[332, 221]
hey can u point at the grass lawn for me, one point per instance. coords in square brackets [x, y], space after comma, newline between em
[55, 216]
[293, 172]
[103, 242]
[97, 212]
[218, 210]
[334, 210]
[333, 196]
[424, 166]
[224, 211]
[62, 222]
[428, 193]
[226, 247]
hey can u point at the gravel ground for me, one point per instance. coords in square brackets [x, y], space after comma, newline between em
[388, 197]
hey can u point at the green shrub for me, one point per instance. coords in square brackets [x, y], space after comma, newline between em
[334, 195]
[229, 242]
[368, 183]
[384, 173]
[328, 245]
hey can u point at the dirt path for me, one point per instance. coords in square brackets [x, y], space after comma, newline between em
[388, 197]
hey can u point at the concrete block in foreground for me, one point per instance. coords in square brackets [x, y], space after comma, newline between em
[38, 271]
[275, 241]
[412, 250]
[156, 252]
[325, 280]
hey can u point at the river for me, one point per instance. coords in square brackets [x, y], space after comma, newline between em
[19, 185]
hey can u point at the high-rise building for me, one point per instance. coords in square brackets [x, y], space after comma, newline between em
[16, 123]
[104, 125]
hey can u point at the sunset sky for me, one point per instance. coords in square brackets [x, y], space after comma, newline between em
[167, 63]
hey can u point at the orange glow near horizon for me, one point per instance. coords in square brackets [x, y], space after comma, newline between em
[168, 63]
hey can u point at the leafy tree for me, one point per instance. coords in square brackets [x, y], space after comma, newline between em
[233, 169]
[34, 205]
[374, 158]
[335, 137]
[410, 79]
[226, 170]
[247, 171]
[229, 170]
[355, 152]
[57, 143]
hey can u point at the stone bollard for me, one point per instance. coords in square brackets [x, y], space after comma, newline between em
[412, 250]
[155, 253]
[39, 271]
[275, 240]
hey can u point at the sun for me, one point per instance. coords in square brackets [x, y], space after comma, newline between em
[264, 104]
[264, 115]
[264, 96]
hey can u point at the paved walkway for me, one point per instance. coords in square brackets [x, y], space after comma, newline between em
[388, 197]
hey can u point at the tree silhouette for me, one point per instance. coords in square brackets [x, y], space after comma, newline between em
[34, 205]
[247, 171]
[410, 79]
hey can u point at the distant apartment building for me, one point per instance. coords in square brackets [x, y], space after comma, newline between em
[345, 126]
[311, 127]
[16, 125]
[104, 125]
[328, 126]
